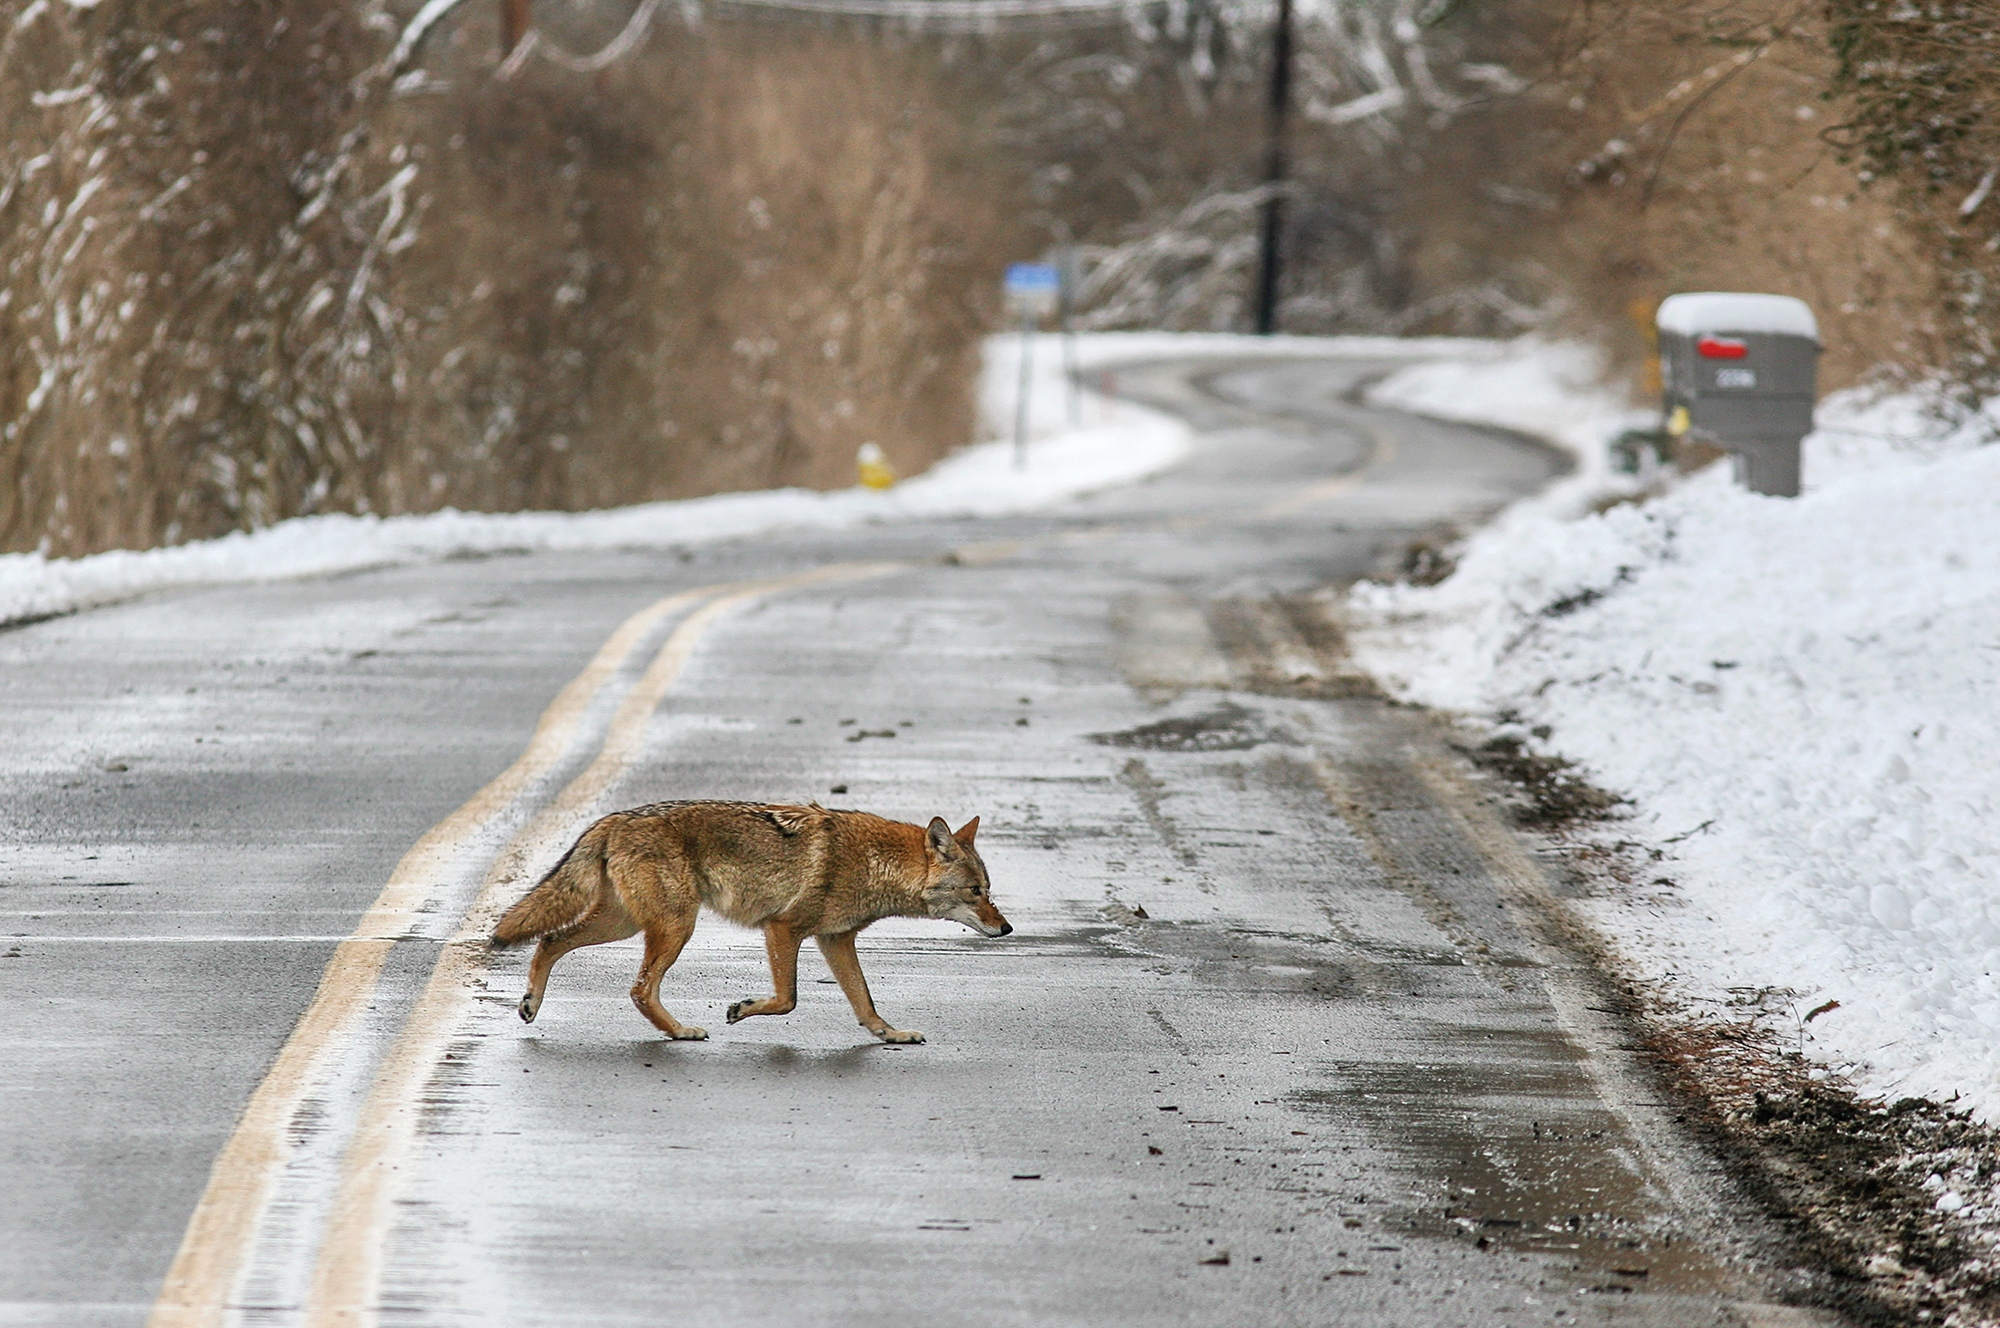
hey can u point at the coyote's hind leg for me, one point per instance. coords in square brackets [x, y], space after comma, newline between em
[609, 923]
[781, 944]
[846, 966]
[663, 945]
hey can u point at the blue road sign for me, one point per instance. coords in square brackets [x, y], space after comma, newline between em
[1032, 279]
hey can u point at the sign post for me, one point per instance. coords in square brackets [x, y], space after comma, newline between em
[1033, 291]
[1066, 323]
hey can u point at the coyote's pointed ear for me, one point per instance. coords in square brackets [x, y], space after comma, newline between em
[938, 836]
[965, 832]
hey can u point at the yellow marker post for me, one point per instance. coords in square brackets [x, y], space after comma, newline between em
[874, 467]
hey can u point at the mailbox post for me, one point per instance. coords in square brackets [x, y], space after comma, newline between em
[1741, 371]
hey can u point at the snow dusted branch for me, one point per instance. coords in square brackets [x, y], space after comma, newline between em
[1378, 61]
[1360, 108]
[626, 41]
[1978, 195]
[1189, 274]
[413, 32]
[396, 192]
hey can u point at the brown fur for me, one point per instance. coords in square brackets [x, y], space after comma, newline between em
[792, 871]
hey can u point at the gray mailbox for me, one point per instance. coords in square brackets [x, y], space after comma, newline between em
[1741, 371]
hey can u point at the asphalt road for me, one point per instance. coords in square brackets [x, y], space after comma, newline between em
[1283, 1035]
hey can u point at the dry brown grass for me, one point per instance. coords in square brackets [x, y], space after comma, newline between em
[245, 278]
[761, 241]
[1921, 87]
[1674, 146]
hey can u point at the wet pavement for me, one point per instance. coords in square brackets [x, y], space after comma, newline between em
[1284, 1034]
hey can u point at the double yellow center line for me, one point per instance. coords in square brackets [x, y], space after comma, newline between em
[201, 1285]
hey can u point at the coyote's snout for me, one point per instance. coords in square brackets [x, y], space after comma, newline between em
[793, 871]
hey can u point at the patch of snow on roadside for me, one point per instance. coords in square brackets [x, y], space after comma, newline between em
[1797, 694]
[1109, 442]
[1119, 442]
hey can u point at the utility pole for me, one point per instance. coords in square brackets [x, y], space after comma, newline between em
[1274, 173]
[514, 25]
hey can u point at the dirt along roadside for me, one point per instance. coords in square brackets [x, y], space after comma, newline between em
[1860, 1189]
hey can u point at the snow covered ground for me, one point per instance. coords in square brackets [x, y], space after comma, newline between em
[1798, 696]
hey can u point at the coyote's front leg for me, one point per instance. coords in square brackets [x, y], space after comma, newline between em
[781, 943]
[846, 966]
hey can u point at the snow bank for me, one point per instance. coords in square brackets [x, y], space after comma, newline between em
[1122, 442]
[1109, 442]
[1797, 694]
[1126, 443]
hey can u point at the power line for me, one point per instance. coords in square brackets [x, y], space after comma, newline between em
[952, 14]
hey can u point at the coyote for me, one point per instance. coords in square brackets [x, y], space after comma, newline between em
[793, 871]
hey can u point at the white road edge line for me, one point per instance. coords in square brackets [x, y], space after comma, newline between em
[347, 1277]
[216, 1246]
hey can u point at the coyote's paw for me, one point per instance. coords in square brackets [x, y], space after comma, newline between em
[900, 1035]
[689, 1033]
[738, 1010]
[529, 1005]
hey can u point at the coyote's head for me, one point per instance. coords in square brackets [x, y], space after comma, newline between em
[957, 889]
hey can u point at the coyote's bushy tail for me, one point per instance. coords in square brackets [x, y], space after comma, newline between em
[563, 897]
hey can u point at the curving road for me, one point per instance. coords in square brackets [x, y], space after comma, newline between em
[1284, 1034]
